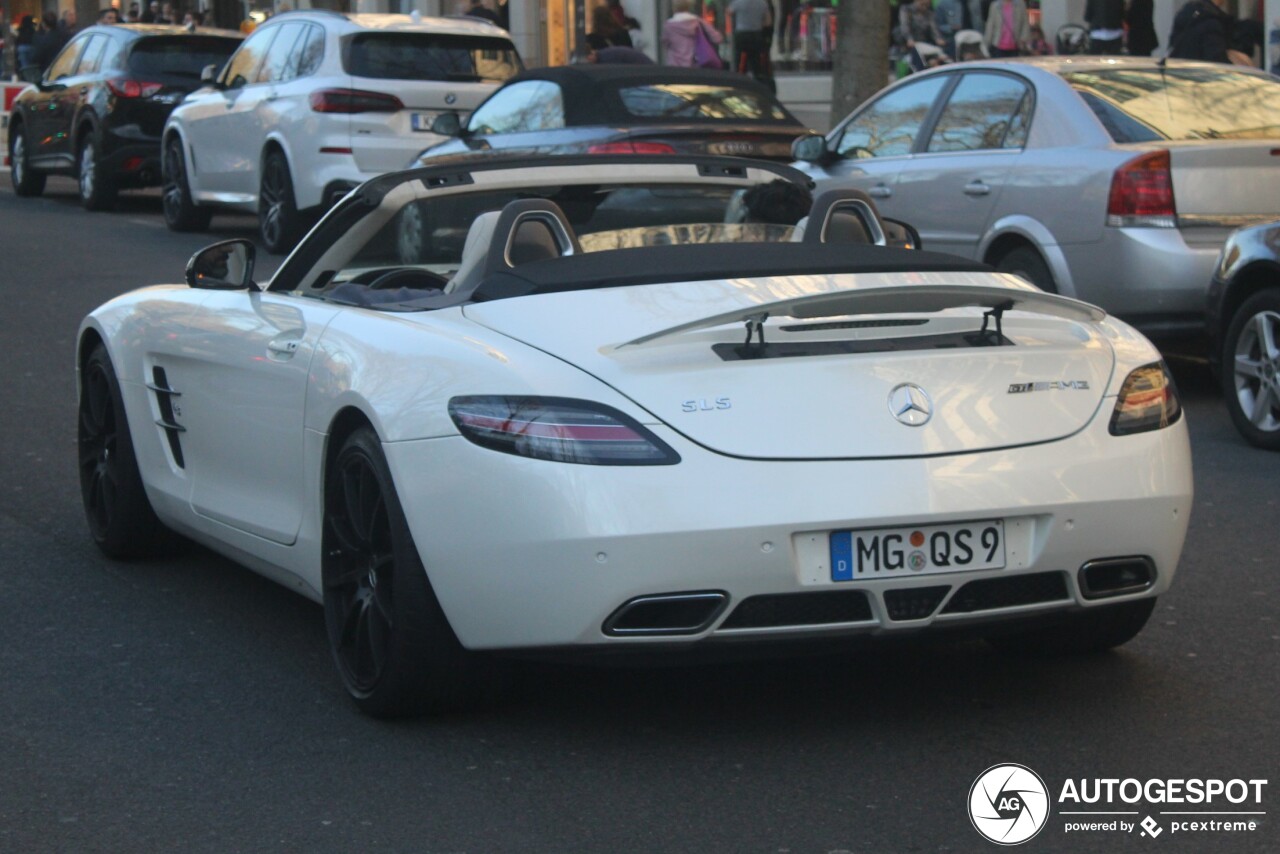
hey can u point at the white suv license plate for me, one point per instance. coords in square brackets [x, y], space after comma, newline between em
[931, 549]
[421, 121]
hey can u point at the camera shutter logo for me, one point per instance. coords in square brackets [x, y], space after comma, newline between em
[1008, 804]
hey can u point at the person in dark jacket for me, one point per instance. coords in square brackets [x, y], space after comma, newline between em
[26, 42]
[1201, 30]
[1106, 26]
[606, 31]
[1142, 32]
[48, 42]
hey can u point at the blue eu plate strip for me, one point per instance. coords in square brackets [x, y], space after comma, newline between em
[842, 556]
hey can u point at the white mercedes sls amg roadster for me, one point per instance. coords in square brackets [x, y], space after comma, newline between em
[579, 404]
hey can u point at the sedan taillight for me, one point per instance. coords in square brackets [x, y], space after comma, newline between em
[559, 429]
[1142, 193]
[631, 148]
[127, 87]
[354, 101]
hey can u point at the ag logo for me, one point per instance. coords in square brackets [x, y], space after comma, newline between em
[1008, 804]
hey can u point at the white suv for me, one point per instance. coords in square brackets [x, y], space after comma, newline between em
[314, 103]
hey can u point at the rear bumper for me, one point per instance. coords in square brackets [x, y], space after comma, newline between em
[1154, 278]
[545, 553]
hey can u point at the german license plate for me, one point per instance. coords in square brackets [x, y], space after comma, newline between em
[928, 549]
[421, 121]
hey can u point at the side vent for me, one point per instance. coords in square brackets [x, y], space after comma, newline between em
[168, 413]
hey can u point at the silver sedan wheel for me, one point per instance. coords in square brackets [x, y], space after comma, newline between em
[1257, 370]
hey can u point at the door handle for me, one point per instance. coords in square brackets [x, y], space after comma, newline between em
[976, 188]
[880, 191]
[283, 347]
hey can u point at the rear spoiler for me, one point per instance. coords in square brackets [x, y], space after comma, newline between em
[904, 299]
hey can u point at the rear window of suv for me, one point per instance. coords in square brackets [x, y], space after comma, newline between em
[183, 56]
[431, 56]
[1147, 104]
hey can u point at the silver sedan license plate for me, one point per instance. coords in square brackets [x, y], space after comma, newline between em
[889, 552]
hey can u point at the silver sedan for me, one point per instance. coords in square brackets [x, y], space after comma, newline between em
[1116, 180]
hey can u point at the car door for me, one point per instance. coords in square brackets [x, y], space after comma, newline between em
[873, 145]
[219, 124]
[52, 107]
[949, 188]
[243, 386]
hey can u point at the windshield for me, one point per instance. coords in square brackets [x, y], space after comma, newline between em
[1147, 104]
[183, 56]
[431, 56]
[690, 102]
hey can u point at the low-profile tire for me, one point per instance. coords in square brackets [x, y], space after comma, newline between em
[121, 520]
[1089, 632]
[1026, 262]
[1251, 369]
[391, 641]
[97, 185]
[181, 213]
[26, 181]
[279, 223]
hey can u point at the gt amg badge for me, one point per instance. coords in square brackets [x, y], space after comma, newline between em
[1052, 385]
[910, 404]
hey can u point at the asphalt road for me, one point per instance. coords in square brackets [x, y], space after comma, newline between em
[189, 705]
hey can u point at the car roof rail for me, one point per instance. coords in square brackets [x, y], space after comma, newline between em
[331, 12]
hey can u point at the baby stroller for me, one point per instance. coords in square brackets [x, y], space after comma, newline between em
[970, 45]
[924, 56]
[1072, 40]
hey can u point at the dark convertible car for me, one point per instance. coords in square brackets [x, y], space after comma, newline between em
[98, 111]
[623, 109]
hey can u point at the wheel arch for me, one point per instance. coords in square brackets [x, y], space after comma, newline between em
[345, 421]
[1257, 276]
[86, 124]
[90, 339]
[1012, 232]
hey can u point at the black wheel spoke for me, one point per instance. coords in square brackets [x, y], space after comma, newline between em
[347, 577]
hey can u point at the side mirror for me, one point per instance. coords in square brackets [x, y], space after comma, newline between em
[901, 234]
[225, 266]
[209, 75]
[811, 148]
[48, 86]
[447, 124]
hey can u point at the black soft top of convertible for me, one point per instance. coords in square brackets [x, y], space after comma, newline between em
[701, 262]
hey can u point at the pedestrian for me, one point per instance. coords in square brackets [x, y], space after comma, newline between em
[777, 203]
[1106, 26]
[193, 20]
[751, 22]
[681, 35]
[168, 15]
[1008, 27]
[1038, 45]
[949, 19]
[606, 31]
[134, 15]
[67, 24]
[25, 41]
[479, 10]
[48, 42]
[1142, 37]
[109, 15]
[1201, 30]
[919, 27]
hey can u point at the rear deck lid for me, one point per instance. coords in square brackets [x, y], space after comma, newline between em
[856, 366]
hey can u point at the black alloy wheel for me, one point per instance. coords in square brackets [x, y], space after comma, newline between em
[180, 210]
[278, 221]
[121, 520]
[391, 641]
[26, 181]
